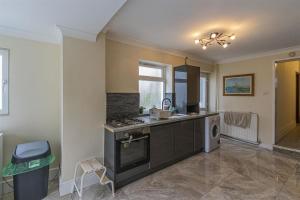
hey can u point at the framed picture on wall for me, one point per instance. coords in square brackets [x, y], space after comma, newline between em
[238, 85]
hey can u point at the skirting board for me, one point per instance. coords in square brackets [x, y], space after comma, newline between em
[53, 172]
[286, 129]
[286, 148]
[66, 187]
[266, 146]
[260, 145]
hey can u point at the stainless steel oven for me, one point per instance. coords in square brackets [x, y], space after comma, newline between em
[132, 149]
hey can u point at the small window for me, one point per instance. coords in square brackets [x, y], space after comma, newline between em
[152, 84]
[3, 81]
[150, 71]
[204, 91]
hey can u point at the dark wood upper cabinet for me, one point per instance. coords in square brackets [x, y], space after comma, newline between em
[187, 88]
[193, 84]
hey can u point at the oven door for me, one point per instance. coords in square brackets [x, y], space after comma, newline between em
[132, 152]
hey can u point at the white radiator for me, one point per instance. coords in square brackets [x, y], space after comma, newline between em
[244, 134]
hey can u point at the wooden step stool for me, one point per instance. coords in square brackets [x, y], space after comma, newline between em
[92, 166]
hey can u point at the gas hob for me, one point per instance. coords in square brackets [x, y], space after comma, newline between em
[125, 122]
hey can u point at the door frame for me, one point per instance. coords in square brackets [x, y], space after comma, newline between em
[297, 97]
[274, 83]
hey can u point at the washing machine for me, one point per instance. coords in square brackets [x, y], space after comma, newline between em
[212, 133]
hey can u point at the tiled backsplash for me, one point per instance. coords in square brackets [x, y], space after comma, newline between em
[121, 105]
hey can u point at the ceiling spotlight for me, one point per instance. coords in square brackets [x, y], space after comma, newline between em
[197, 41]
[204, 47]
[213, 35]
[225, 45]
[232, 37]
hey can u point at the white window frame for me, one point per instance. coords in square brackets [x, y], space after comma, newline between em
[5, 67]
[163, 77]
[205, 75]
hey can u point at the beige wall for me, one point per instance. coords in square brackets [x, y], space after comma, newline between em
[122, 62]
[83, 102]
[33, 95]
[286, 97]
[263, 102]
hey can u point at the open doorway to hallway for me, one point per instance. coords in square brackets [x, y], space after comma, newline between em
[287, 92]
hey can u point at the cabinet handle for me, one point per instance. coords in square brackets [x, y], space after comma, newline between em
[136, 139]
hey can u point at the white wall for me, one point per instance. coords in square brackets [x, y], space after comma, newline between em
[122, 61]
[83, 102]
[33, 95]
[263, 102]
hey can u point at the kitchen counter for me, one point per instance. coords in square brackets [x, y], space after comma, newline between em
[153, 122]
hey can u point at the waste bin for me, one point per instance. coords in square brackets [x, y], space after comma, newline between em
[30, 169]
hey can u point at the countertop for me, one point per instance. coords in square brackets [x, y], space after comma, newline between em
[153, 122]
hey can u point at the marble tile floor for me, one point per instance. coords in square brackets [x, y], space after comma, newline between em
[235, 171]
[292, 139]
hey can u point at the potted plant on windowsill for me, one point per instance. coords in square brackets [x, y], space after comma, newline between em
[141, 110]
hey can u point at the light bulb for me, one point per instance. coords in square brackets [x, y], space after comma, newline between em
[213, 35]
[225, 45]
[204, 47]
[232, 37]
[197, 41]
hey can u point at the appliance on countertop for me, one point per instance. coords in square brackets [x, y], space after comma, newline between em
[125, 122]
[212, 133]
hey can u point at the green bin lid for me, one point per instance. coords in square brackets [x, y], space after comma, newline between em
[12, 169]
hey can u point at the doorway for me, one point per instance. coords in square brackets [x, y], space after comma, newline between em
[297, 97]
[287, 104]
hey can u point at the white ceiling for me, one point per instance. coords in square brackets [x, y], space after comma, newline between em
[260, 25]
[37, 19]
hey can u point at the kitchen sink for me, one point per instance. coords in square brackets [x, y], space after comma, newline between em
[177, 116]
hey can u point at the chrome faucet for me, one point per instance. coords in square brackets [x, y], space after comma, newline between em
[163, 101]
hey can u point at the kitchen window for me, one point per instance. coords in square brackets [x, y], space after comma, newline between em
[204, 91]
[4, 81]
[152, 84]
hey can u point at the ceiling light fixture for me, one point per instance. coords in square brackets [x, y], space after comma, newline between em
[232, 37]
[218, 38]
[213, 35]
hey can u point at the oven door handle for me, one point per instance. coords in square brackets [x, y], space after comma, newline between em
[135, 139]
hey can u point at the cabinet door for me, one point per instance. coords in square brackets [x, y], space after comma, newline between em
[180, 82]
[199, 128]
[161, 145]
[193, 85]
[184, 138]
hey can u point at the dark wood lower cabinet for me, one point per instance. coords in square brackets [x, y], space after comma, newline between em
[199, 133]
[184, 139]
[161, 144]
[171, 142]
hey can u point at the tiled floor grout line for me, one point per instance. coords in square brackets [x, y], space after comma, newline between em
[284, 184]
[217, 184]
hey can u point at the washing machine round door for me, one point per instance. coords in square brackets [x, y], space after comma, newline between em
[214, 131]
